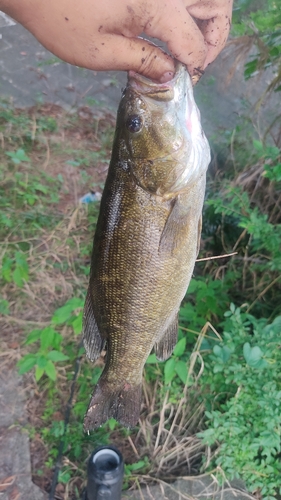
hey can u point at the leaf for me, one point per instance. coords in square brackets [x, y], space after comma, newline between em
[180, 347]
[7, 269]
[38, 373]
[17, 277]
[27, 363]
[254, 356]
[181, 370]
[77, 323]
[57, 356]
[169, 370]
[151, 360]
[50, 370]
[64, 477]
[41, 188]
[18, 156]
[193, 286]
[246, 350]
[112, 424]
[64, 313]
[33, 337]
[47, 337]
[41, 361]
[223, 353]
[137, 465]
[4, 306]
[217, 350]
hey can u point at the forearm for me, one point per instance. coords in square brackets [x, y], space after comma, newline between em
[105, 35]
[17, 9]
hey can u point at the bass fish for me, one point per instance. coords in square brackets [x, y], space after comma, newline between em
[146, 241]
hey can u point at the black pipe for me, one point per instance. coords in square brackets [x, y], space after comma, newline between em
[105, 474]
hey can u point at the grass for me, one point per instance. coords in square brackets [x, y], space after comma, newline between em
[48, 159]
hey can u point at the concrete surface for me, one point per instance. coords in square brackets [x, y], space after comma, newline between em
[15, 469]
[199, 489]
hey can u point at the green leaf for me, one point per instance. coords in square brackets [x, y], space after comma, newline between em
[64, 477]
[169, 370]
[138, 465]
[181, 370]
[7, 269]
[27, 363]
[38, 373]
[77, 323]
[50, 370]
[112, 424]
[4, 306]
[57, 356]
[41, 188]
[18, 277]
[18, 156]
[47, 337]
[180, 347]
[33, 337]
[254, 356]
[64, 313]
[151, 360]
[41, 361]
[193, 286]
[223, 353]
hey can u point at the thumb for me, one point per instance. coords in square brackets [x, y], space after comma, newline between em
[137, 54]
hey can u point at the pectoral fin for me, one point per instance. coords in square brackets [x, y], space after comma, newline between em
[175, 227]
[92, 339]
[164, 348]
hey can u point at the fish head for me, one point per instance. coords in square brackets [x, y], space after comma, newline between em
[159, 133]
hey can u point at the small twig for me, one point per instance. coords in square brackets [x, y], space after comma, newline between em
[263, 292]
[139, 488]
[12, 319]
[244, 232]
[47, 159]
[133, 447]
[217, 257]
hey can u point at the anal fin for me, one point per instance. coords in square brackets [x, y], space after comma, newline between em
[92, 339]
[164, 347]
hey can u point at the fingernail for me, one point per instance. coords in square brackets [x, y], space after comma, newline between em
[166, 77]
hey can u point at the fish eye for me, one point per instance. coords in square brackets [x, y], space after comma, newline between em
[134, 123]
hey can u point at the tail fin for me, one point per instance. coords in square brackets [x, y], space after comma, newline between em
[122, 403]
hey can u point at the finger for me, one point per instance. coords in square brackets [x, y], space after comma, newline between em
[184, 39]
[116, 52]
[215, 32]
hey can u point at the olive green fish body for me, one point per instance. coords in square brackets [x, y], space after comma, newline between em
[145, 247]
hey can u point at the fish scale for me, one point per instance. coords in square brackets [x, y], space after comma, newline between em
[146, 241]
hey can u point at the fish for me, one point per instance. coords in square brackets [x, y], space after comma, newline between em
[146, 240]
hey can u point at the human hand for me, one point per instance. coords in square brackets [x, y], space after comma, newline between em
[104, 34]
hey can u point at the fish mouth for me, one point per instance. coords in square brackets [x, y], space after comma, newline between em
[161, 91]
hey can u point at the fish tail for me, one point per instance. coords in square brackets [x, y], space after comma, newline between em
[122, 403]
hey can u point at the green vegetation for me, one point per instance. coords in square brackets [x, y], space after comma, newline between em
[214, 406]
[257, 25]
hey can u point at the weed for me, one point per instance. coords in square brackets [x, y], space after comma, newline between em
[243, 371]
